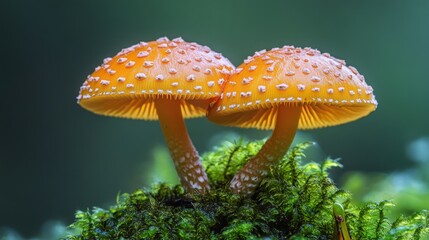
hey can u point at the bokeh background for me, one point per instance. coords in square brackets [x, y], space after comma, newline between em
[56, 158]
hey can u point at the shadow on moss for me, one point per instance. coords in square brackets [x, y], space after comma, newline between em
[294, 202]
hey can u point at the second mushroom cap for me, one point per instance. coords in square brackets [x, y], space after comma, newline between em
[330, 92]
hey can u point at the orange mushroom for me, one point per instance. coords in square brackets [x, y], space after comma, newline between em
[285, 89]
[165, 80]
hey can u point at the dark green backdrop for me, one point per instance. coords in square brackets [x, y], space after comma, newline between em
[56, 157]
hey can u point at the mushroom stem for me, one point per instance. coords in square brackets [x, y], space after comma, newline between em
[186, 159]
[248, 178]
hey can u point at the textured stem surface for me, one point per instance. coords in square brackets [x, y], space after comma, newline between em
[186, 159]
[248, 178]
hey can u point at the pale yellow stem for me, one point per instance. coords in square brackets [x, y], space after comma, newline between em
[249, 177]
[186, 159]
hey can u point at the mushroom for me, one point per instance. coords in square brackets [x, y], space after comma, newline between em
[161, 80]
[285, 89]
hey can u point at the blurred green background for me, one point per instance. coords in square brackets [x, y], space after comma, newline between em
[56, 157]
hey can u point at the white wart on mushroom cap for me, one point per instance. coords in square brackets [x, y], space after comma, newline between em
[126, 84]
[329, 92]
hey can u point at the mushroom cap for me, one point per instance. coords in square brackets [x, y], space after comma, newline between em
[127, 84]
[329, 92]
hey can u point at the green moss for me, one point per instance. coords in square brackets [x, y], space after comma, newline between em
[294, 202]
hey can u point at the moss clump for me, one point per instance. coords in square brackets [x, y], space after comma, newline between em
[294, 202]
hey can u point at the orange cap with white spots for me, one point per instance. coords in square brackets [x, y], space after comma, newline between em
[329, 92]
[127, 84]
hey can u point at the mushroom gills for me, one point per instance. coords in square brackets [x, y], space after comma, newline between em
[314, 115]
